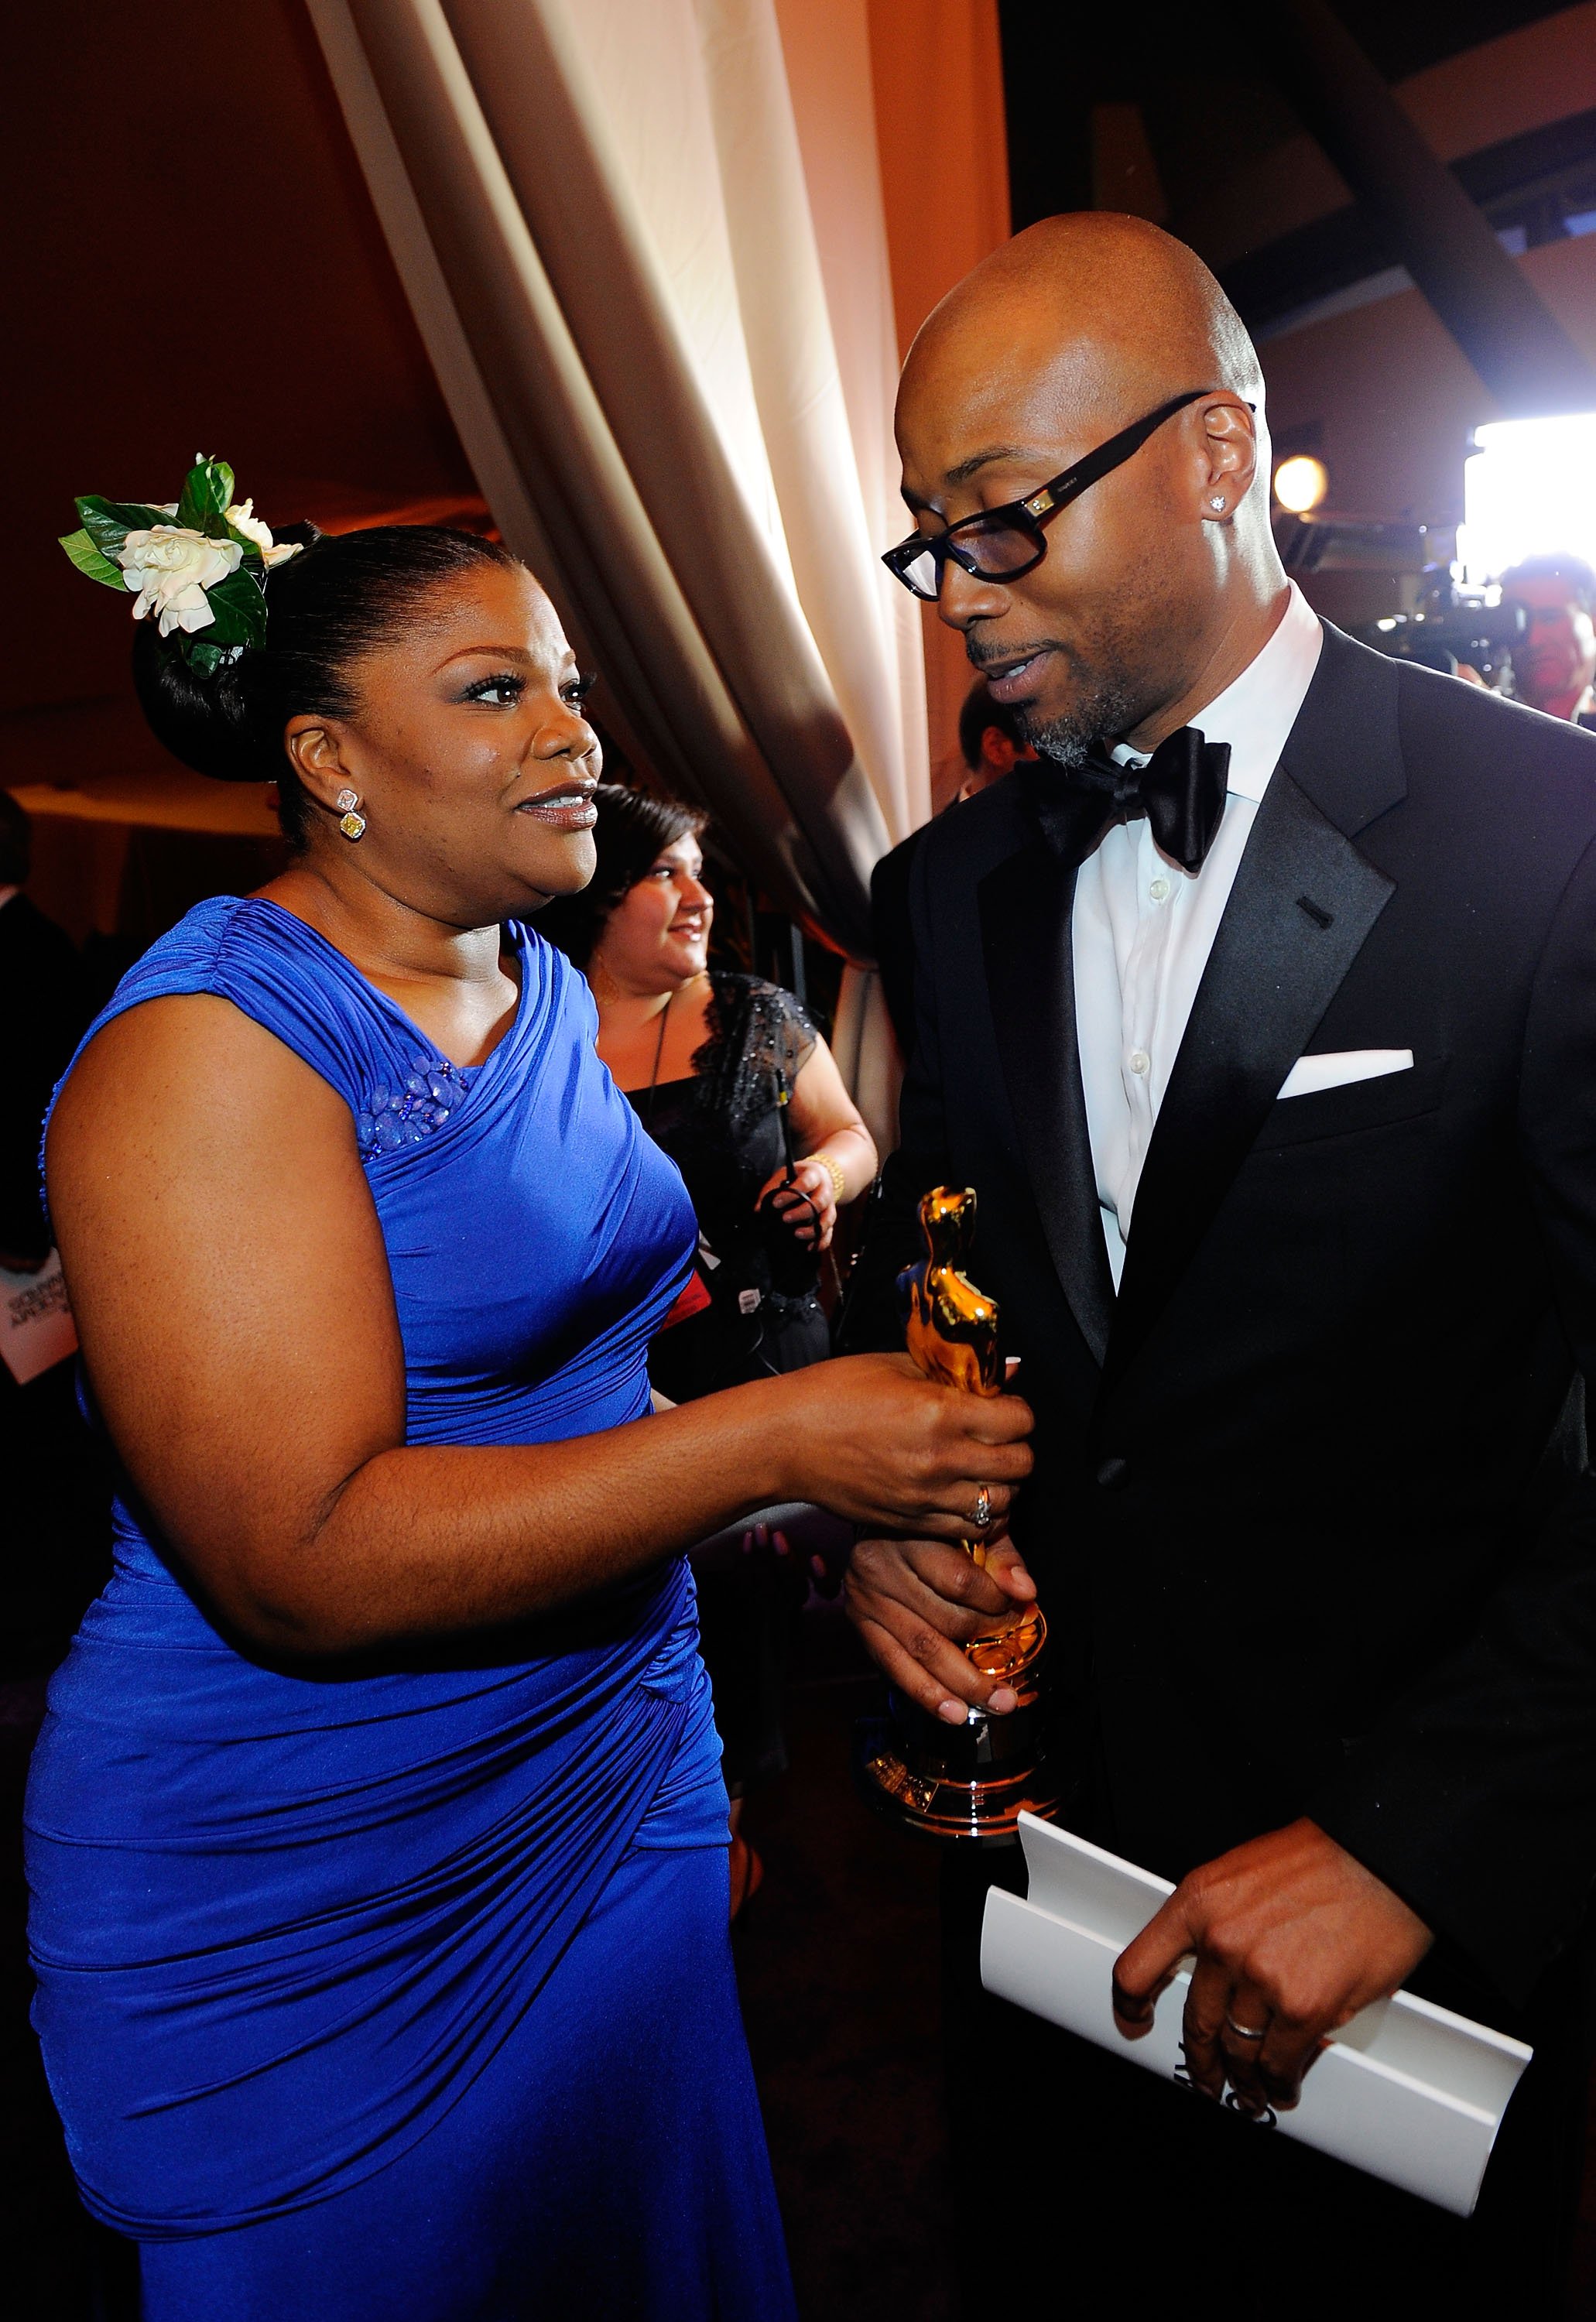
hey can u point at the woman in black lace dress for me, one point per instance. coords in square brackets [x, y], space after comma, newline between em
[730, 1076]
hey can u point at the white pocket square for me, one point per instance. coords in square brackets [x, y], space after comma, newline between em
[1309, 1074]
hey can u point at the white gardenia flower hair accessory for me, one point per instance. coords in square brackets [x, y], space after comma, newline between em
[199, 563]
[171, 566]
[242, 516]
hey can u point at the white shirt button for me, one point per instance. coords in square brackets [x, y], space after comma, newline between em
[1139, 1060]
[1159, 889]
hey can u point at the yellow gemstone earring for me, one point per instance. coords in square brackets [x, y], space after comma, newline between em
[349, 820]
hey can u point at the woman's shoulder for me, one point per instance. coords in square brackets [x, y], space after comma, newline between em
[756, 998]
[225, 940]
[239, 947]
[176, 1070]
[185, 959]
[782, 1018]
[273, 968]
[757, 1030]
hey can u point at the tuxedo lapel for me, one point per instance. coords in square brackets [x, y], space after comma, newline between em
[1024, 920]
[1303, 904]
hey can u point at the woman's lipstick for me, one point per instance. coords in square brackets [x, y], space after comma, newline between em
[563, 806]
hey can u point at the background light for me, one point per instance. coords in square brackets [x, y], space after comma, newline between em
[1528, 490]
[1301, 483]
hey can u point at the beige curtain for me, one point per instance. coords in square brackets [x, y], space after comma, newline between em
[672, 364]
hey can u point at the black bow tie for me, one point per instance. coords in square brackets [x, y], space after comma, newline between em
[1181, 790]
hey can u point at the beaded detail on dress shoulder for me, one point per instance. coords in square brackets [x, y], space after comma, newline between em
[407, 1112]
[759, 1036]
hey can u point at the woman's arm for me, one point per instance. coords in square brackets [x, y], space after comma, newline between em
[233, 1302]
[839, 1161]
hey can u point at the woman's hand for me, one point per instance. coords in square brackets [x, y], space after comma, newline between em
[872, 1440]
[839, 1156]
[805, 1202]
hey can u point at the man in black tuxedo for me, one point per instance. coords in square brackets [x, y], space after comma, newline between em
[1261, 1013]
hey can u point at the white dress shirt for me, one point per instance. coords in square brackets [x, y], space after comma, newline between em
[1143, 928]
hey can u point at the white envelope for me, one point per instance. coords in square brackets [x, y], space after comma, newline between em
[1406, 2090]
[1340, 1068]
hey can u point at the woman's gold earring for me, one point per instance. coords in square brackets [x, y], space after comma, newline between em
[351, 821]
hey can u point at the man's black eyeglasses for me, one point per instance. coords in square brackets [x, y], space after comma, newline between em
[1002, 542]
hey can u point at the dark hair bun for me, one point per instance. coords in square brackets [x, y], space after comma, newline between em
[202, 720]
[213, 724]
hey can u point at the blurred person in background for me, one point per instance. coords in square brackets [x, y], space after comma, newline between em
[729, 1074]
[1555, 670]
[40, 995]
[55, 1549]
[989, 741]
[56, 1499]
[731, 1077]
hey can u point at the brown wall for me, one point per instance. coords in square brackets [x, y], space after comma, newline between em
[194, 266]
[1395, 396]
[1482, 97]
[1388, 393]
[937, 69]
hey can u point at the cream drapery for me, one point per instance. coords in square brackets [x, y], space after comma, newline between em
[672, 370]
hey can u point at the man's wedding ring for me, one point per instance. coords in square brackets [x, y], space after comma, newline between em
[983, 1508]
[1242, 2031]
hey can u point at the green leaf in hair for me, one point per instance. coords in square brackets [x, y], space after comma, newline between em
[206, 494]
[238, 610]
[108, 522]
[204, 658]
[89, 560]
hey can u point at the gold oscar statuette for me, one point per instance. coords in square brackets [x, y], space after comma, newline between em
[973, 1781]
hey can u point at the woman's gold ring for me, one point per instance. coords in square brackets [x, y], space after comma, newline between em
[983, 1508]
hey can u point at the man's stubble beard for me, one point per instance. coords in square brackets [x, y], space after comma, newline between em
[1113, 686]
[1102, 707]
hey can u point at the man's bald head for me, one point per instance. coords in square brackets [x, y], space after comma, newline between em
[1122, 313]
[1155, 577]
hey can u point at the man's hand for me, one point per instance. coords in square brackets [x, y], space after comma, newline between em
[914, 1602]
[1292, 1937]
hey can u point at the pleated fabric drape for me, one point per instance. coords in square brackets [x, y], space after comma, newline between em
[673, 369]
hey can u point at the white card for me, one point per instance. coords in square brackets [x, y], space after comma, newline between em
[1406, 2090]
[36, 1327]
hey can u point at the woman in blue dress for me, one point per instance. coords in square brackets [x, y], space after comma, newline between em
[375, 1833]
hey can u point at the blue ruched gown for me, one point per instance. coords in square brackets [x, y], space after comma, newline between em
[409, 1996]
